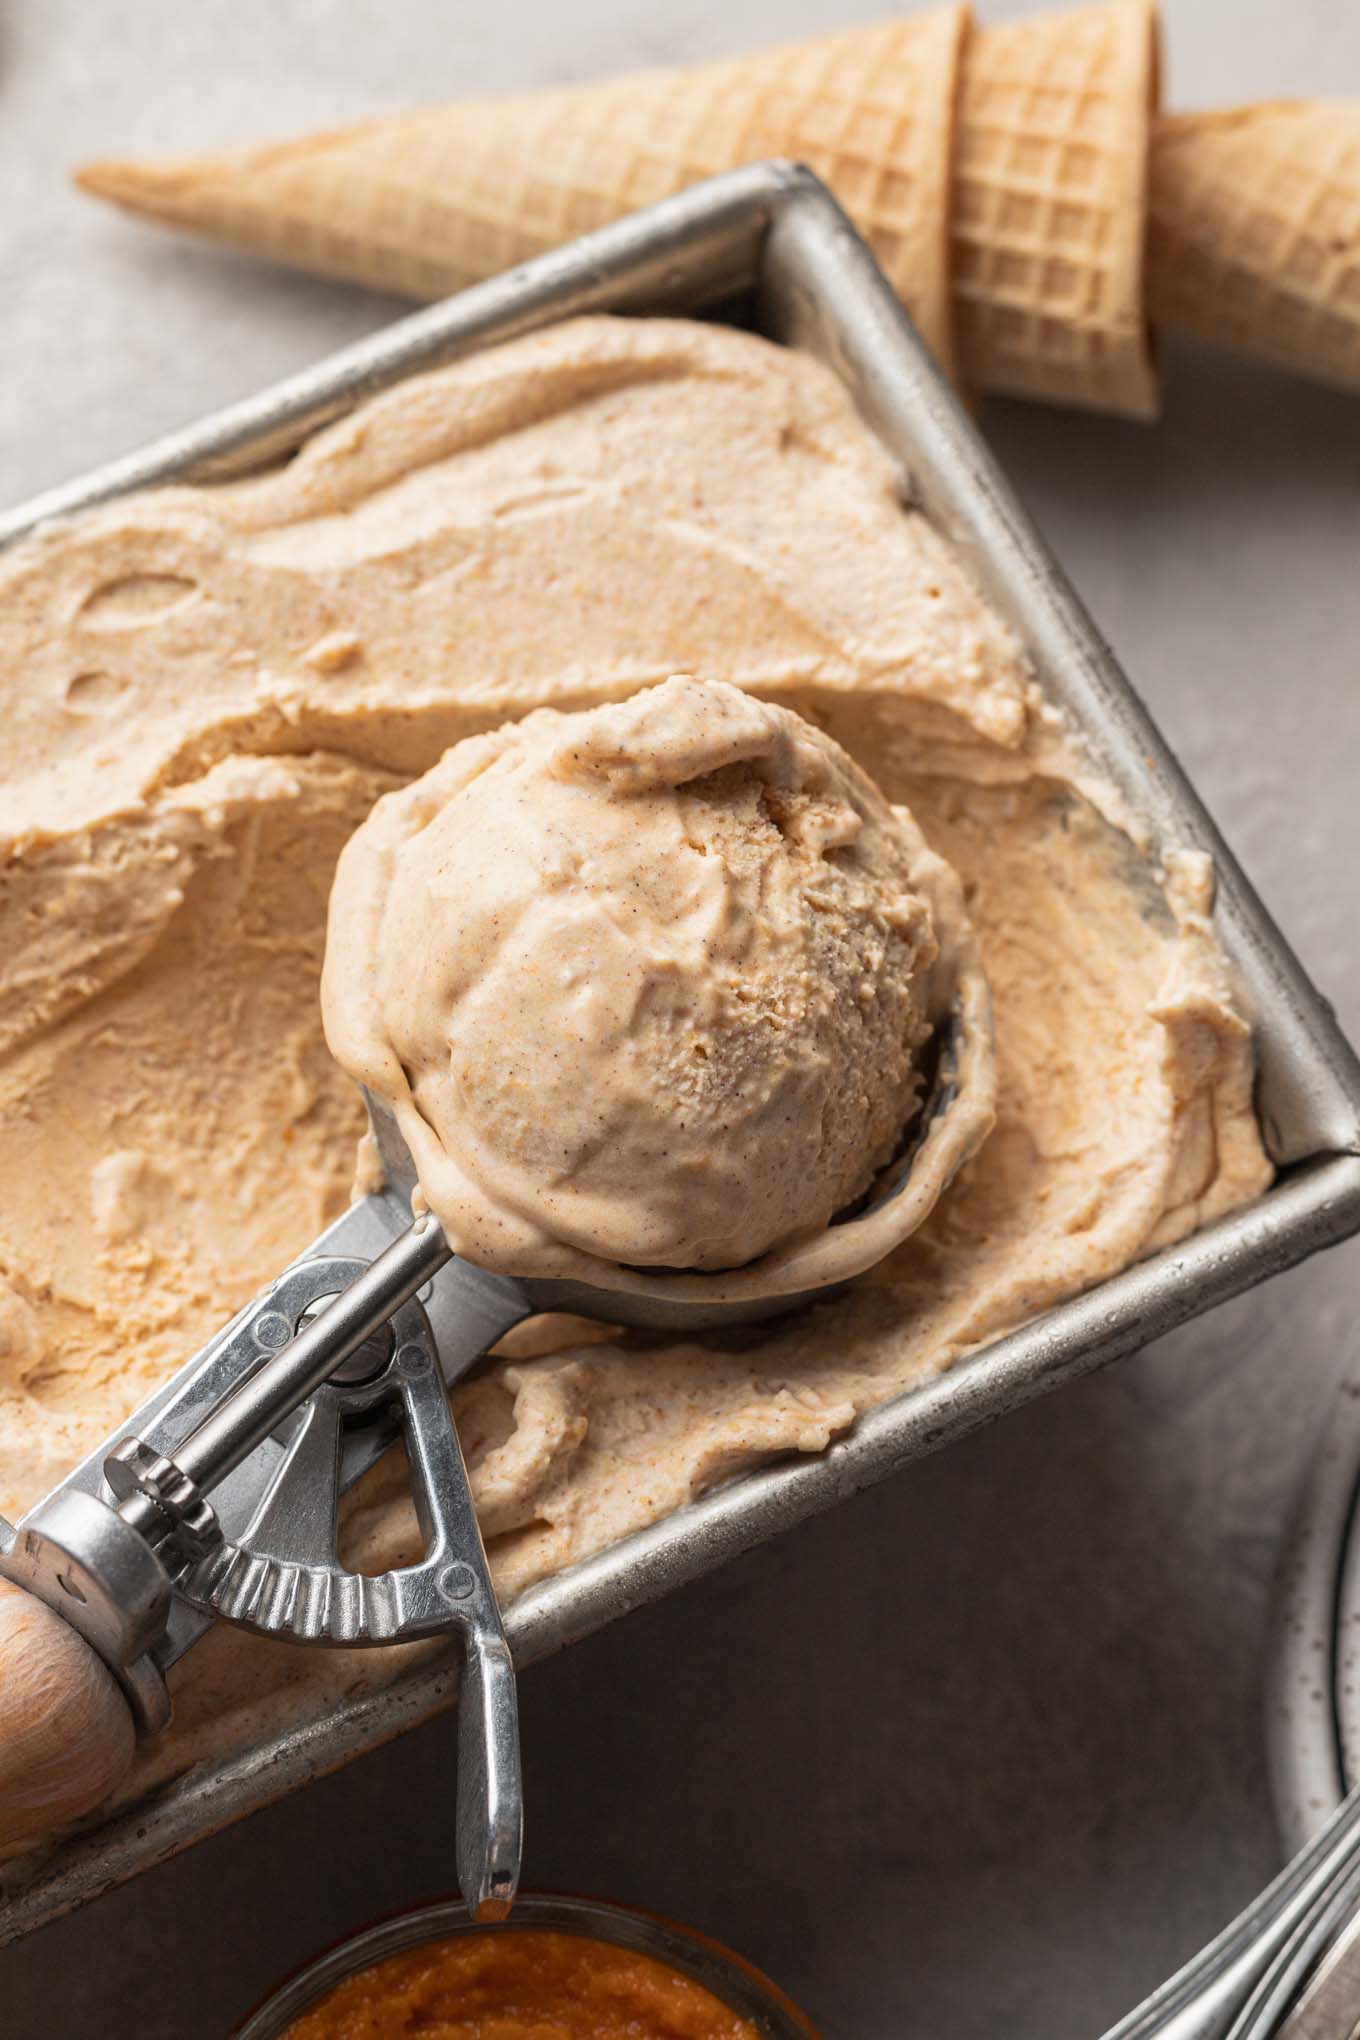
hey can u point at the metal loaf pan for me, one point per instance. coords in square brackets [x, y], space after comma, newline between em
[775, 236]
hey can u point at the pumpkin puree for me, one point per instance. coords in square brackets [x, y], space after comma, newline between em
[525, 1984]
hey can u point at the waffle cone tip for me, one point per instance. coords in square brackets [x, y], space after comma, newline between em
[137, 186]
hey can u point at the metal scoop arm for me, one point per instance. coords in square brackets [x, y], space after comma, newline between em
[254, 1422]
[468, 1310]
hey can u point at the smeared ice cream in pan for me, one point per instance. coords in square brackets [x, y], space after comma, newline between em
[205, 693]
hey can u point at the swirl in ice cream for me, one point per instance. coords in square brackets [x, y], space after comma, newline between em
[650, 983]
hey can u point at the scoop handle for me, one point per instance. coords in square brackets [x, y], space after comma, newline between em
[66, 1732]
[490, 1815]
[1240, 1986]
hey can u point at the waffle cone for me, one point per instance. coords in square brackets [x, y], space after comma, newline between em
[425, 202]
[1050, 178]
[1255, 233]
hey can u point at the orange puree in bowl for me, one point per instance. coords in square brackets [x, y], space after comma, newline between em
[524, 1984]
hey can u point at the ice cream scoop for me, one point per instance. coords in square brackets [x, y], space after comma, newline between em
[667, 980]
[652, 987]
[219, 1501]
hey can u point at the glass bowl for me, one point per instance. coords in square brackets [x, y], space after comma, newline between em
[734, 1983]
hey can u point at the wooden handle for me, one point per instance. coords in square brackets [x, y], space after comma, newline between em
[66, 1732]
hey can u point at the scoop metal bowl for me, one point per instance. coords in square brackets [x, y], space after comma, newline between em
[221, 1500]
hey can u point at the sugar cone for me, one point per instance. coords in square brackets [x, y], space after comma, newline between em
[1255, 241]
[425, 202]
[1050, 177]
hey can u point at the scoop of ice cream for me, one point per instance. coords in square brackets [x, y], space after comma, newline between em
[646, 984]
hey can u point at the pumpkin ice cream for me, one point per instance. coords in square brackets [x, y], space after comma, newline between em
[206, 690]
[652, 984]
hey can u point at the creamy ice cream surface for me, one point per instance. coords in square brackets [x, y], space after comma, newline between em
[648, 984]
[205, 693]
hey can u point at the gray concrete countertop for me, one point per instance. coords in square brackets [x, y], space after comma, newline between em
[979, 1754]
